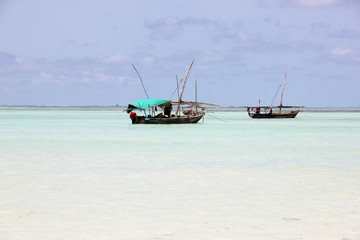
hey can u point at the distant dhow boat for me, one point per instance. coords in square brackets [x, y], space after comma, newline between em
[194, 111]
[273, 111]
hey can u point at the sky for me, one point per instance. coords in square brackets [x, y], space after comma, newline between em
[77, 52]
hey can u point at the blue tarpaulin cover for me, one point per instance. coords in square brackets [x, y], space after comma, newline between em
[147, 102]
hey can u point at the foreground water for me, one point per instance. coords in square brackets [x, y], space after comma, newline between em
[89, 174]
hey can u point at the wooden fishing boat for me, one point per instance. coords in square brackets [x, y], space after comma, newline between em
[274, 111]
[152, 117]
[170, 120]
[268, 112]
[192, 112]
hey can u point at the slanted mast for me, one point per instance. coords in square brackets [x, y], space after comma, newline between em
[182, 90]
[282, 93]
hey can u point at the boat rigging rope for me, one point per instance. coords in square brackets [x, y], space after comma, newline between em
[275, 96]
[207, 114]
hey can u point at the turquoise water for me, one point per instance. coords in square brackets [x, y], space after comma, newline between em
[87, 173]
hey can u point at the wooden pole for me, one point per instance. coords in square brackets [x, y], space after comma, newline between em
[177, 82]
[259, 106]
[177, 88]
[182, 90]
[141, 81]
[282, 93]
[196, 93]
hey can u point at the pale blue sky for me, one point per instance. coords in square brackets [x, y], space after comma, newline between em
[80, 52]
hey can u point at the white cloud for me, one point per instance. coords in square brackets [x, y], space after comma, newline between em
[242, 36]
[45, 75]
[340, 51]
[147, 60]
[85, 80]
[316, 3]
[102, 77]
[210, 57]
[121, 79]
[117, 58]
[45, 78]
[171, 28]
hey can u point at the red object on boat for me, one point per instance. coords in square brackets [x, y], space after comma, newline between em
[132, 115]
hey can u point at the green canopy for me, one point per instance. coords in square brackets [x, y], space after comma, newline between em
[147, 102]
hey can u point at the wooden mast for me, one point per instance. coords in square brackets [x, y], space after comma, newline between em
[141, 81]
[177, 83]
[177, 88]
[196, 93]
[182, 90]
[282, 93]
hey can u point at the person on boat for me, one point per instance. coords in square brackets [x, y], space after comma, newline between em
[160, 115]
[167, 110]
[257, 110]
[270, 111]
[133, 117]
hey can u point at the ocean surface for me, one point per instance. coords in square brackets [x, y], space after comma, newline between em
[84, 173]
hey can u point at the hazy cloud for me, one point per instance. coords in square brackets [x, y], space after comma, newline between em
[164, 29]
[341, 51]
[171, 28]
[7, 59]
[42, 72]
[117, 58]
[304, 3]
[345, 33]
[147, 60]
[317, 3]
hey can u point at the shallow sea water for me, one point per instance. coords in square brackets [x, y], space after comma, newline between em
[90, 174]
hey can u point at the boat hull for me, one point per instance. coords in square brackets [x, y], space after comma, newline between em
[170, 120]
[291, 114]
